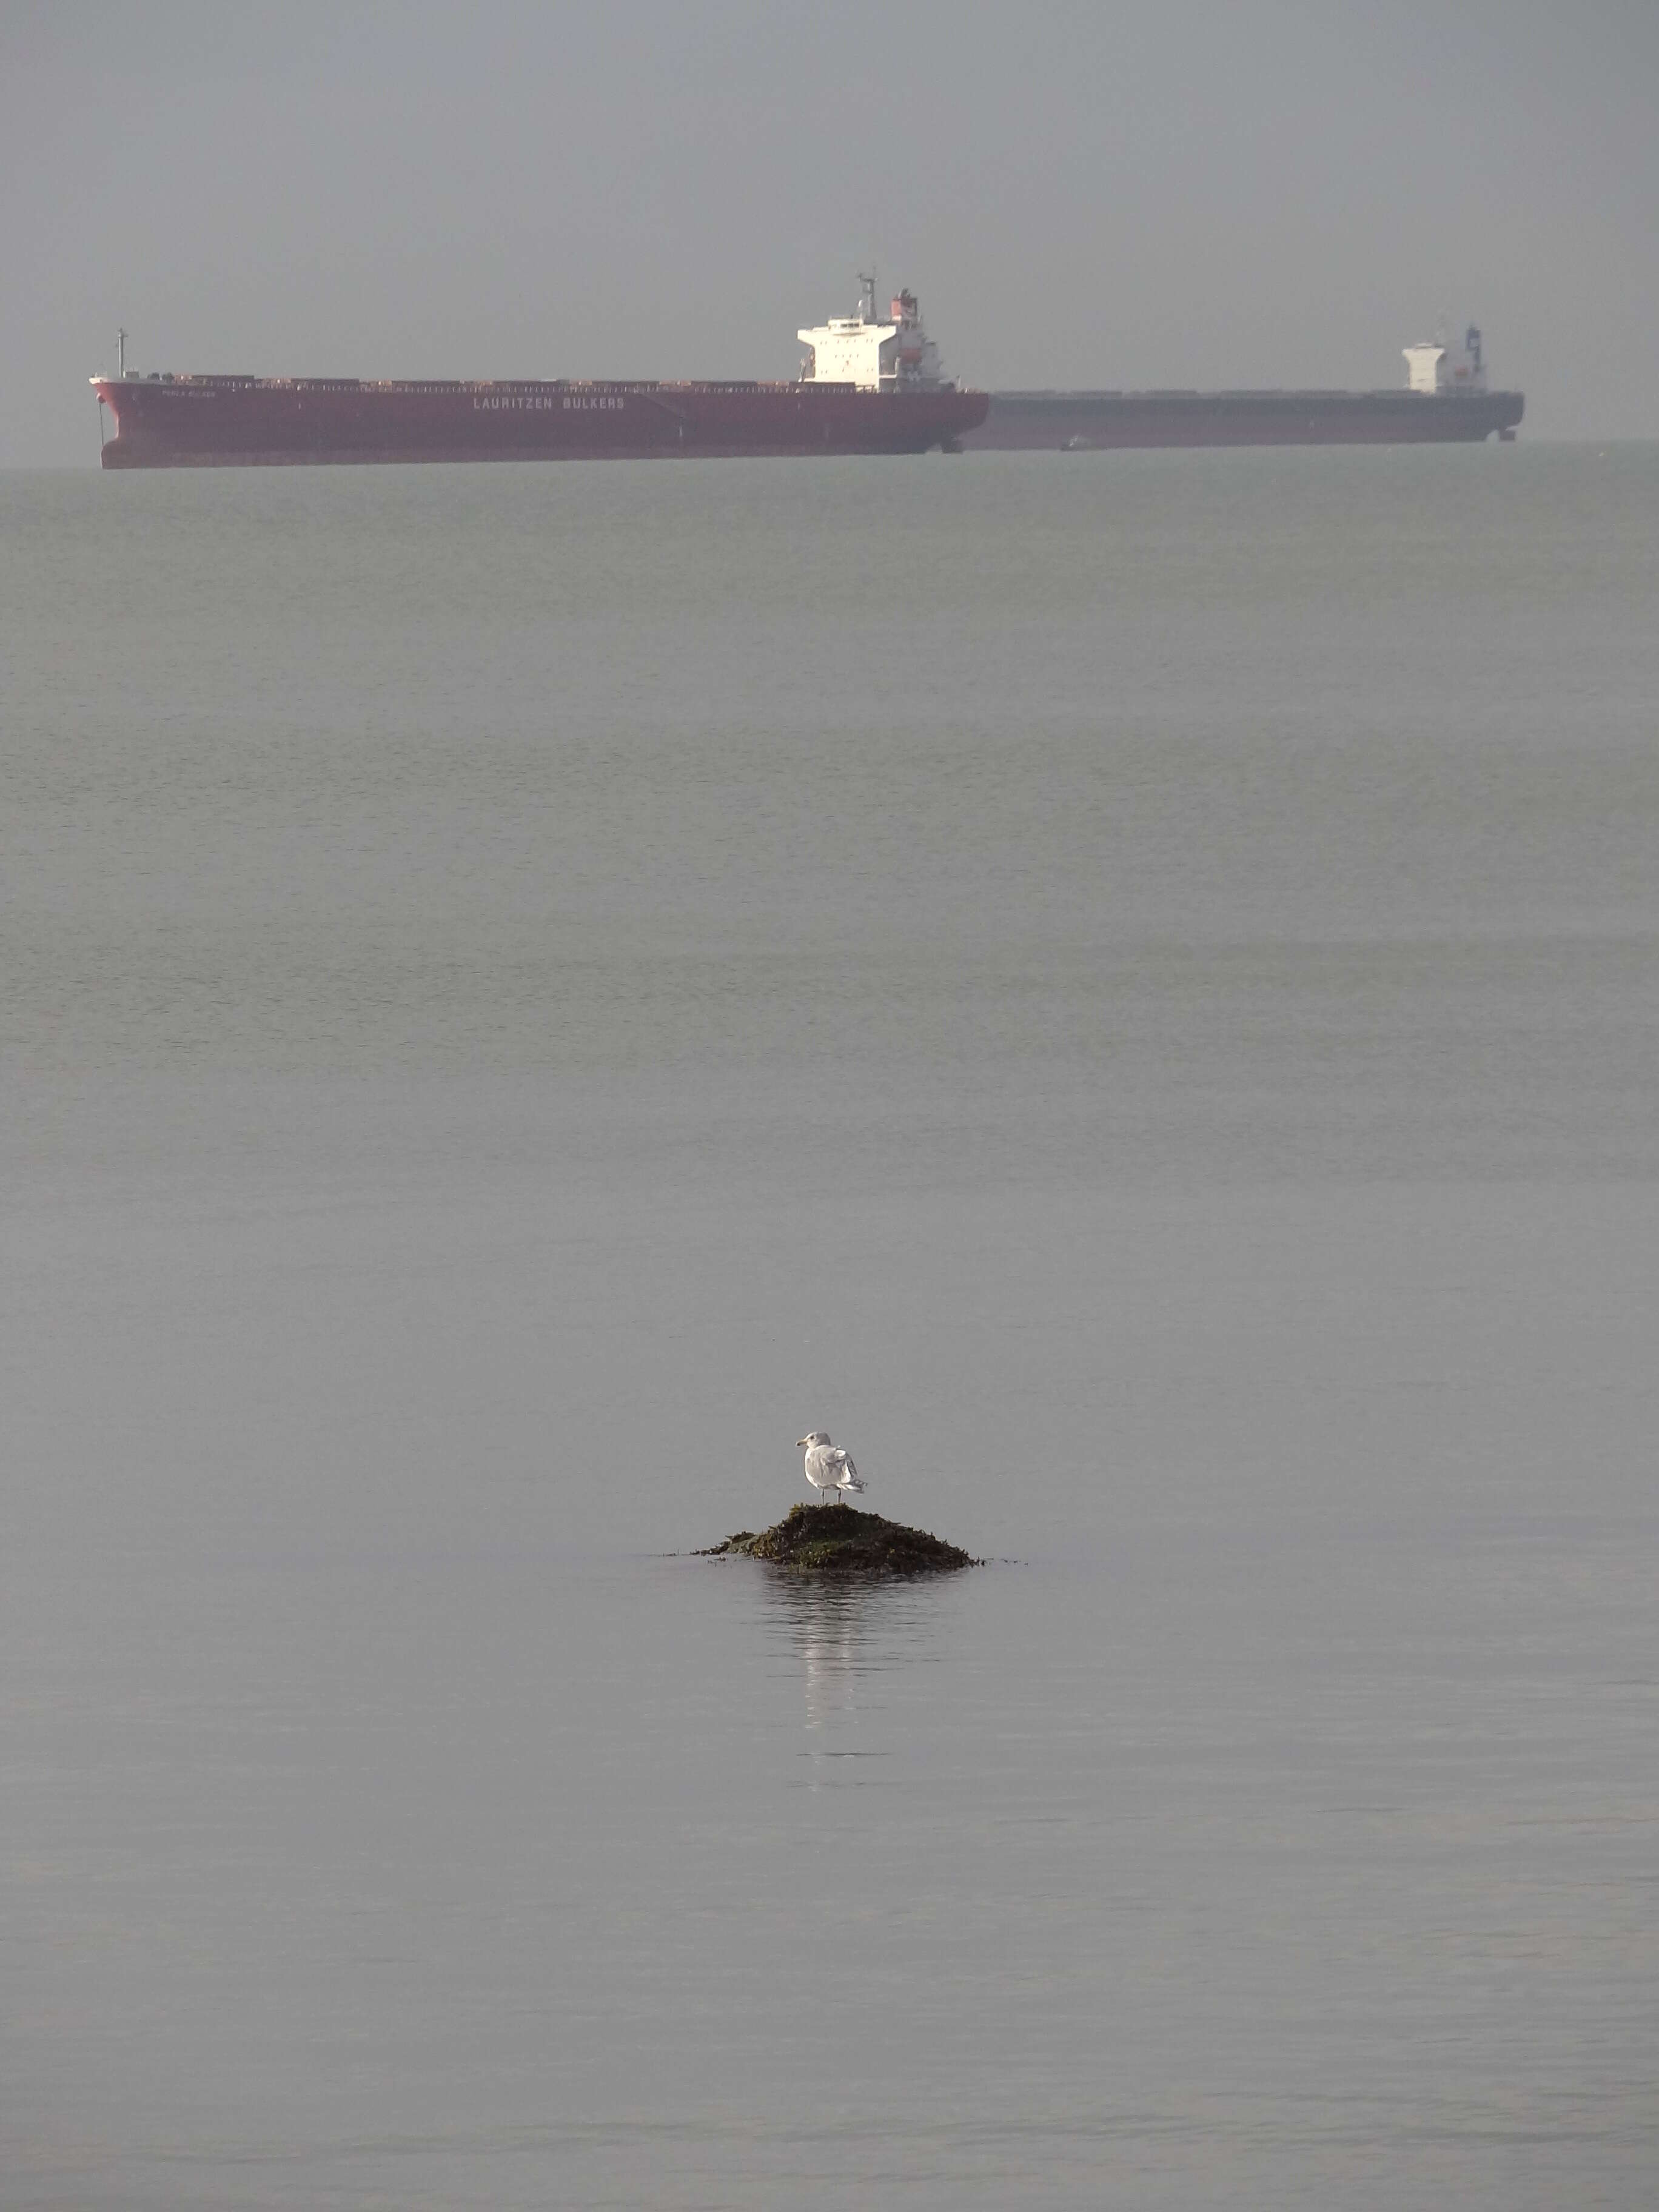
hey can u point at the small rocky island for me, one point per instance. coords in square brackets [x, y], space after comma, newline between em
[840, 1541]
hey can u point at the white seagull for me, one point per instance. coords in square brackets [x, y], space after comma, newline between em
[828, 1468]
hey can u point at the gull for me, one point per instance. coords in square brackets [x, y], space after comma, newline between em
[828, 1468]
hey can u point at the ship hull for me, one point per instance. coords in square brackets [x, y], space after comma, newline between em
[1075, 421]
[226, 421]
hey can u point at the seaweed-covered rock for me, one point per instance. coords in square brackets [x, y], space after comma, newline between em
[840, 1540]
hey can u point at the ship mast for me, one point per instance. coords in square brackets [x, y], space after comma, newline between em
[120, 353]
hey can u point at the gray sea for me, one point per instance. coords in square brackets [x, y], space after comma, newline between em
[1123, 986]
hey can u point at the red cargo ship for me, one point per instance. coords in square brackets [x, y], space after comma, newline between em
[866, 386]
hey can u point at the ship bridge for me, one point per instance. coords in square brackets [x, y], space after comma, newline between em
[1436, 368]
[861, 349]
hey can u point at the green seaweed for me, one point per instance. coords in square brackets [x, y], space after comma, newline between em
[840, 1541]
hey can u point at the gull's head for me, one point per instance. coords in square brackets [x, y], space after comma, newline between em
[818, 1436]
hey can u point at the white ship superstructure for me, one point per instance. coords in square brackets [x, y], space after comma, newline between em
[896, 355]
[1437, 369]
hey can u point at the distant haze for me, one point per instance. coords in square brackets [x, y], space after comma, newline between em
[1274, 192]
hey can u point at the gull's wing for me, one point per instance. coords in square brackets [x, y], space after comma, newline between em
[849, 1474]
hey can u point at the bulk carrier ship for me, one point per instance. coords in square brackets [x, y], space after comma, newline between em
[867, 386]
[1445, 401]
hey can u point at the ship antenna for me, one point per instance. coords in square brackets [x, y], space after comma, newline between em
[120, 353]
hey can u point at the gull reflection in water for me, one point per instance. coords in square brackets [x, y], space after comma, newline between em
[849, 1643]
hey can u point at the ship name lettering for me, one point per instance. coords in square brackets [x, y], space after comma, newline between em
[494, 402]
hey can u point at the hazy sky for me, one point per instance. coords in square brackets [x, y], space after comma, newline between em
[1160, 193]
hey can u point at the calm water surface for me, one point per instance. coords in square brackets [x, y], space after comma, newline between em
[1124, 987]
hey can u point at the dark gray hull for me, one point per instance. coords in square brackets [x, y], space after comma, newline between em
[1080, 420]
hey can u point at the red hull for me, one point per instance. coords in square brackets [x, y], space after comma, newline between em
[1028, 421]
[230, 422]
